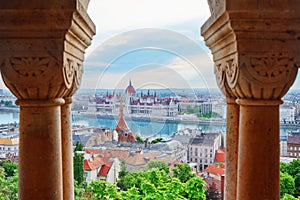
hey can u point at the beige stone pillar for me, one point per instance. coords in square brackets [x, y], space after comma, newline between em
[256, 60]
[259, 149]
[232, 140]
[67, 153]
[42, 45]
[40, 150]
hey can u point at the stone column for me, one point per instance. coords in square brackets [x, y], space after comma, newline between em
[232, 140]
[67, 151]
[42, 46]
[40, 150]
[256, 59]
[259, 149]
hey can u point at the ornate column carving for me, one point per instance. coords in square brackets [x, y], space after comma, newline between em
[42, 48]
[256, 59]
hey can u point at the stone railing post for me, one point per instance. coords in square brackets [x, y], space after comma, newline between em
[256, 59]
[42, 47]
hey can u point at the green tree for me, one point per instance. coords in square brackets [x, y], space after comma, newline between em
[289, 197]
[102, 190]
[139, 139]
[79, 191]
[293, 169]
[8, 186]
[78, 160]
[195, 188]
[157, 164]
[78, 146]
[287, 184]
[9, 167]
[183, 172]
[156, 140]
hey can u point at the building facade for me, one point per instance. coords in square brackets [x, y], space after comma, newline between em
[9, 147]
[202, 149]
[146, 105]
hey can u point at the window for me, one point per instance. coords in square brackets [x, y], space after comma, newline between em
[196, 160]
[196, 154]
[211, 151]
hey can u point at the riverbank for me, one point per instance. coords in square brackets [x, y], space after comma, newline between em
[9, 109]
[177, 119]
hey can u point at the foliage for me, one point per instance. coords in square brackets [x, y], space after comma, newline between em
[158, 164]
[78, 146]
[79, 190]
[102, 190]
[9, 167]
[193, 110]
[152, 184]
[123, 172]
[139, 139]
[287, 184]
[156, 140]
[293, 169]
[183, 172]
[78, 167]
[195, 188]
[289, 197]
[8, 104]
[8, 186]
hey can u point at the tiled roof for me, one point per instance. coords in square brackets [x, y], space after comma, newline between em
[95, 163]
[9, 141]
[141, 159]
[105, 169]
[220, 155]
[215, 170]
[293, 139]
[121, 154]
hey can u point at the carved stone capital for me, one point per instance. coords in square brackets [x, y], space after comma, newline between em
[43, 58]
[255, 51]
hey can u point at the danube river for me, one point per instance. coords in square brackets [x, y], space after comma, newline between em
[144, 128]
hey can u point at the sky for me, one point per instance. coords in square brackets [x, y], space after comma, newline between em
[154, 43]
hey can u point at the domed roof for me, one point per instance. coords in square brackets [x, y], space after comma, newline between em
[130, 89]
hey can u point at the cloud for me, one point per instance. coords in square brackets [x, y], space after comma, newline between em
[115, 15]
[132, 49]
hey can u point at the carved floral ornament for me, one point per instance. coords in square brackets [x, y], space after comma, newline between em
[72, 73]
[42, 77]
[256, 77]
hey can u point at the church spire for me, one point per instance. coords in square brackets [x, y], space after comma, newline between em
[121, 125]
